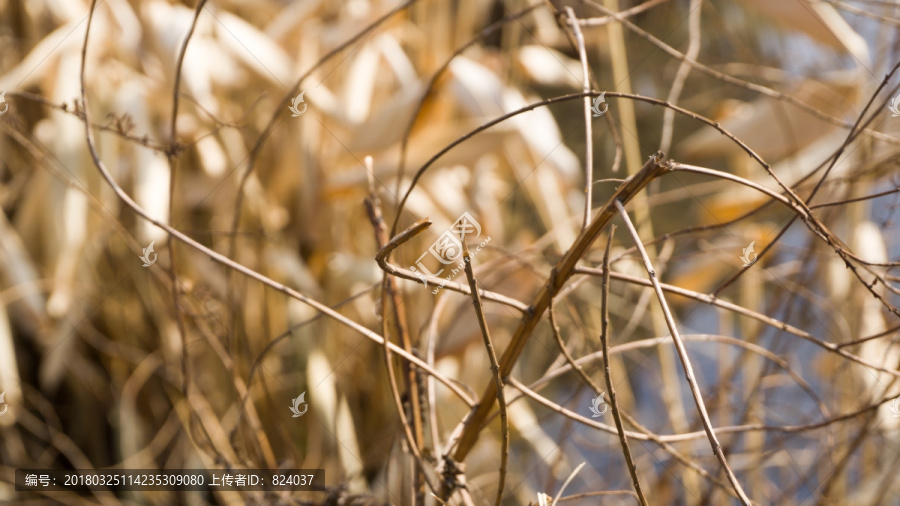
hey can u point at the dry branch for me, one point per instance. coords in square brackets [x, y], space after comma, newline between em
[685, 361]
[564, 269]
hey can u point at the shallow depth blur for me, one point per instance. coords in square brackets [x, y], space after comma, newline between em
[124, 347]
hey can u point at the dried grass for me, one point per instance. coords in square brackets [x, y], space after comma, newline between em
[266, 283]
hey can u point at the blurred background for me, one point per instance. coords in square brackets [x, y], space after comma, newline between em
[106, 363]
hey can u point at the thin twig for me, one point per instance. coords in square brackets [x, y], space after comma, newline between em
[681, 76]
[812, 223]
[562, 346]
[613, 402]
[415, 438]
[595, 494]
[495, 368]
[414, 230]
[172, 158]
[768, 320]
[643, 435]
[76, 111]
[566, 484]
[680, 457]
[857, 199]
[685, 360]
[656, 341]
[588, 129]
[627, 13]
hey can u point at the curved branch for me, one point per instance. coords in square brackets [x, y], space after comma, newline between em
[414, 230]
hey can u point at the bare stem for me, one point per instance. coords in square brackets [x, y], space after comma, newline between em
[683, 70]
[685, 360]
[613, 402]
[495, 369]
[171, 156]
[413, 230]
[588, 129]
[414, 437]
